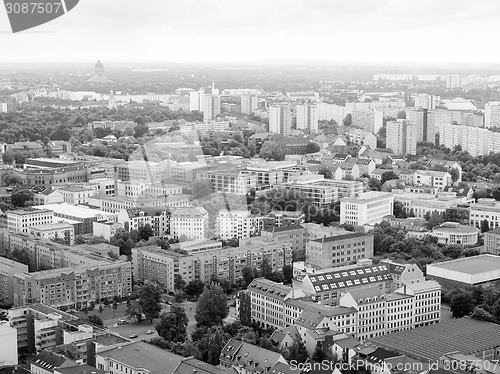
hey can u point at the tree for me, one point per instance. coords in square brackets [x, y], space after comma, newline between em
[482, 315]
[455, 174]
[212, 308]
[202, 188]
[388, 176]
[318, 355]
[245, 312]
[145, 232]
[211, 344]
[461, 304]
[399, 210]
[19, 198]
[195, 287]
[374, 184]
[288, 273]
[347, 121]
[115, 305]
[485, 226]
[134, 311]
[179, 283]
[172, 325]
[266, 269]
[149, 299]
[95, 319]
[312, 147]
[297, 351]
[271, 150]
[247, 274]
[12, 180]
[101, 309]
[434, 220]
[324, 171]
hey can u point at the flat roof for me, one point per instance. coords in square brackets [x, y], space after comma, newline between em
[465, 335]
[471, 265]
[73, 210]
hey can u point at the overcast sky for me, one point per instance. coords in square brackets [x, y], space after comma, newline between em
[254, 30]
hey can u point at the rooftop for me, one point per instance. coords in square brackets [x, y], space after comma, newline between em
[341, 237]
[73, 210]
[144, 355]
[465, 335]
[471, 265]
[191, 365]
[81, 369]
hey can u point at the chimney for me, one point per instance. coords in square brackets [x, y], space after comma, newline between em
[404, 289]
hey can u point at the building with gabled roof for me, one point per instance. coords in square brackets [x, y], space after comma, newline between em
[246, 358]
[327, 285]
[403, 273]
[285, 337]
[190, 365]
[46, 362]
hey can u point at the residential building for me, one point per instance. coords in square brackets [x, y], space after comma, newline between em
[22, 220]
[191, 222]
[193, 365]
[481, 270]
[113, 204]
[47, 362]
[455, 233]
[76, 194]
[307, 117]
[292, 235]
[7, 270]
[426, 101]
[8, 346]
[237, 224]
[341, 250]
[249, 103]
[62, 232]
[235, 181]
[426, 131]
[432, 178]
[401, 137]
[246, 358]
[427, 301]
[492, 114]
[492, 242]
[280, 119]
[485, 210]
[403, 274]
[278, 218]
[367, 208]
[326, 286]
[369, 120]
[136, 357]
[193, 246]
[138, 188]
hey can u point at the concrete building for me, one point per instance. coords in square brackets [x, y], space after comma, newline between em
[492, 242]
[307, 117]
[280, 119]
[237, 224]
[291, 235]
[7, 270]
[191, 222]
[8, 346]
[62, 231]
[427, 301]
[193, 246]
[235, 181]
[401, 137]
[369, 120]
[367, 208]
[426, 131]
[485, 209]
[403, 274]
[426, 101]
[336, 251]
[492, 114]
[466, 272]
[76, 194]
[249, 103]
[22, 220]
[454, 233]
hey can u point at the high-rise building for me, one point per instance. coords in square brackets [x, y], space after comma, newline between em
[401, 137]
[369, 120]
[425, 101]
[426, 131]
[492, 114]
[455, 81]
[280, 119]
[205, 100]
[307, 117]
[249, 103]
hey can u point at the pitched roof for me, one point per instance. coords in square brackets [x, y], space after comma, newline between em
[309, 320]
[364, 293]
[341, 237]
[192, 365]
[250, 356]
[269, 288]
[48, 360]
[381, 354]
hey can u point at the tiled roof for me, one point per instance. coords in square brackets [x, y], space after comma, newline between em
[341, 237]
[358, 276]
[309, 320]
[192, 365]
[252, 357]
[269, 288]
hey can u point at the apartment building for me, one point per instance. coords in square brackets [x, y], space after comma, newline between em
[367, 208]
[337, 251]
[191, 222]
[426, 101]
[137, 188]
[113, 204]
[22, 220]
[432, 178]
[292, 235]
[401, 137]
[76, 194]
[237, 224]
[249, 103]
[280, 119]
[326, 286]
[307, 117]
[369, 120]
[426, 131]
[427, 301]
[278, 218]
[236, 181]
[7, 270]
[403, 274]
[62, 232]
[492, 114]
[162, 266]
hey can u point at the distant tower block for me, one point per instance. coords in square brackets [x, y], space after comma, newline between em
[99, 76]
[111, 101]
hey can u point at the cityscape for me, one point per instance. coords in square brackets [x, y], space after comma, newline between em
[203, 188]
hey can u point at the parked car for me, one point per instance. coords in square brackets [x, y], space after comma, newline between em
[122, 322]
[133, 336]
[149, 332]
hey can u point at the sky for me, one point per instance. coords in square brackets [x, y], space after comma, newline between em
[218, 31]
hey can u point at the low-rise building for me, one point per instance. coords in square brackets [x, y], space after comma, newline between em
[191, 222]
[292, 235]
[485, 210]
[22, 220]
[367, 208]
[8, 346]
[455, 233]
[492, 242]
[237, 224]
[61, 232]
[403, 274]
